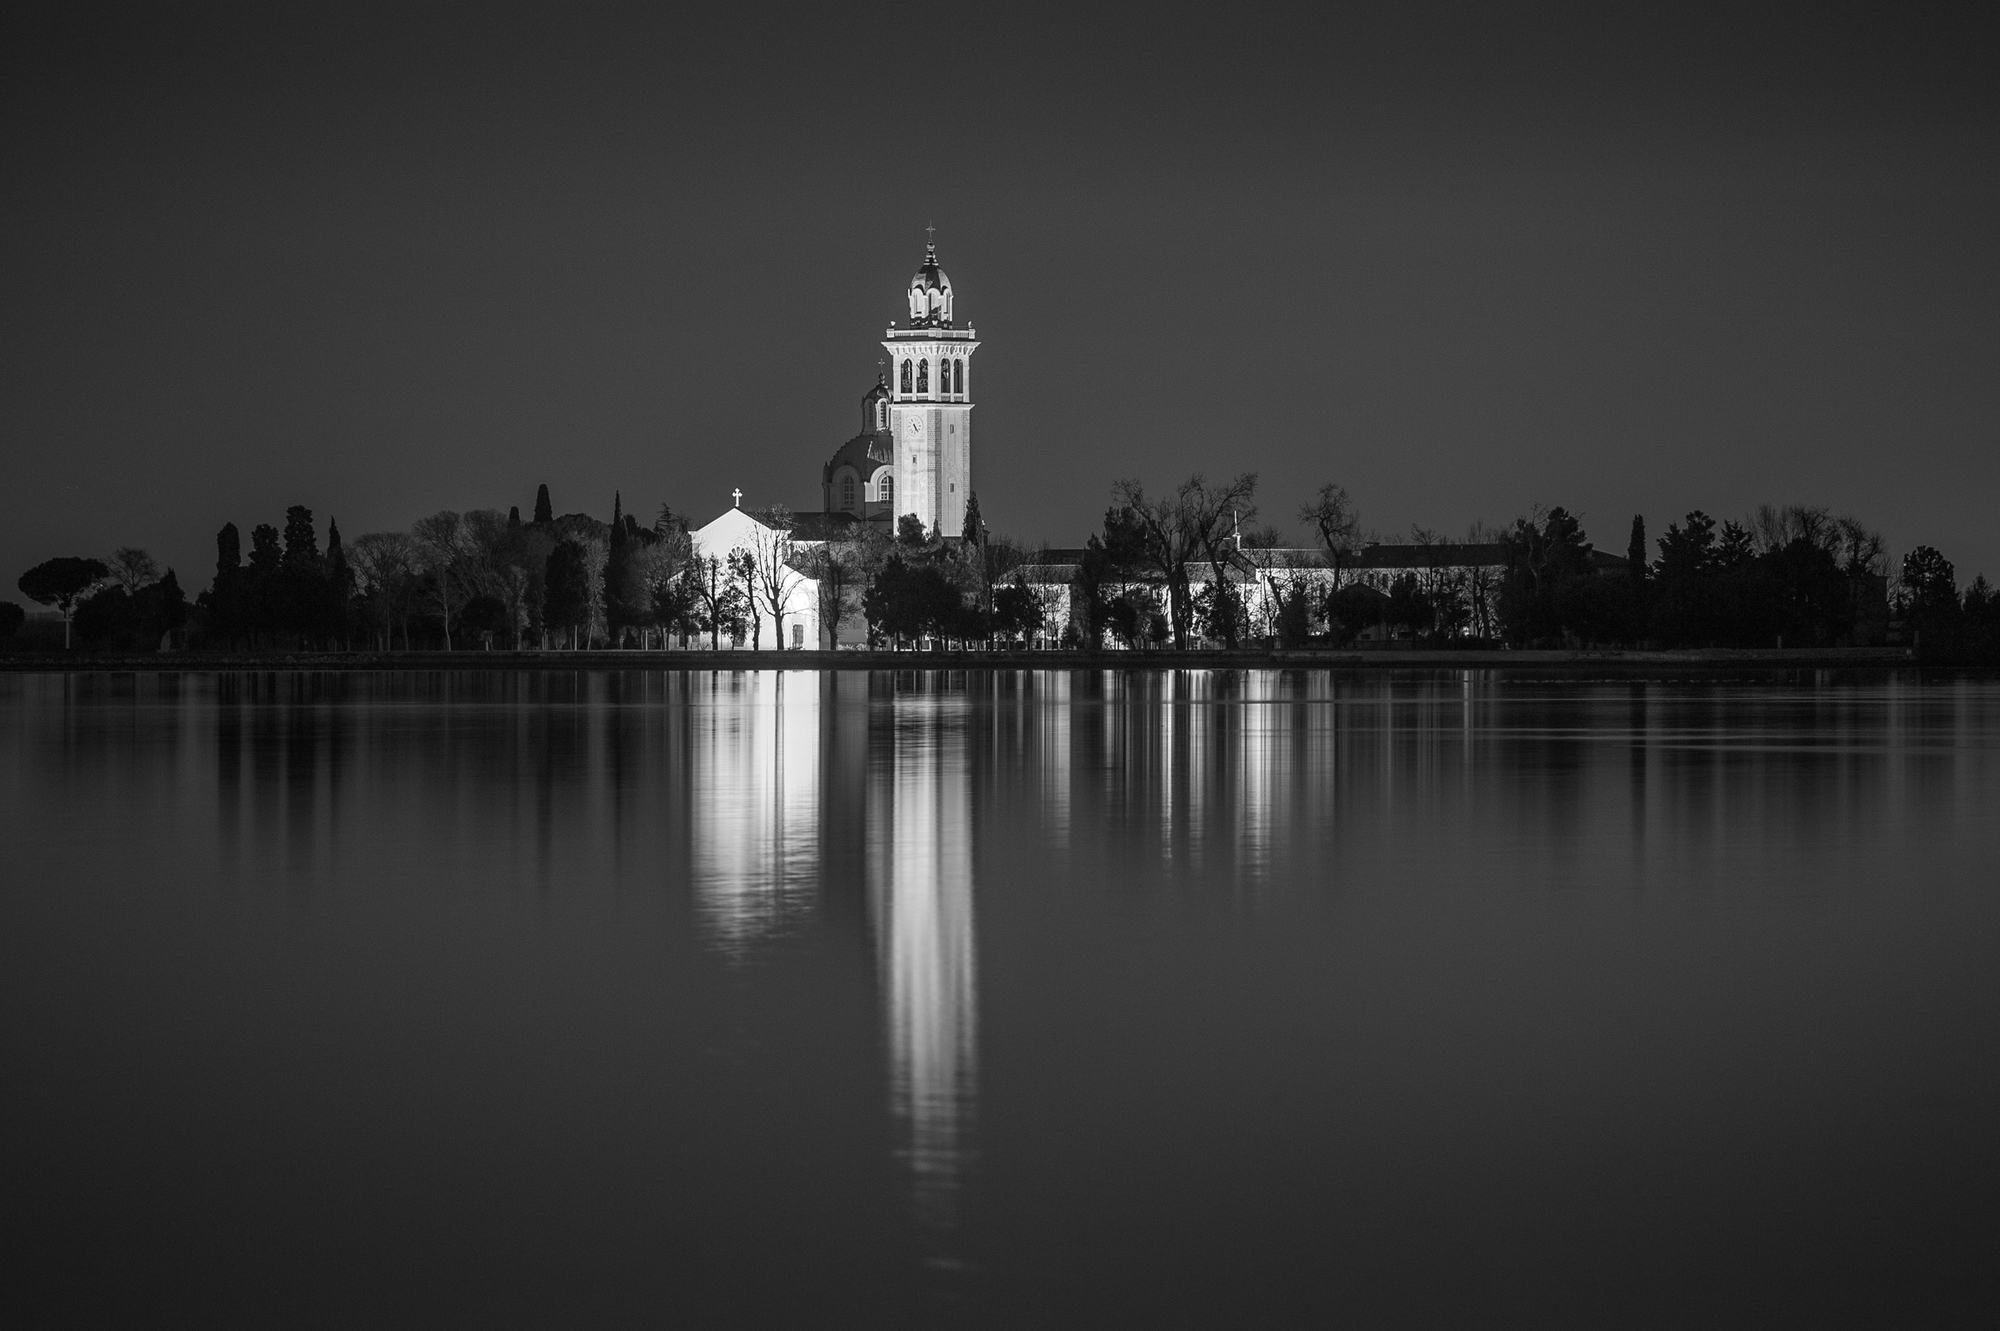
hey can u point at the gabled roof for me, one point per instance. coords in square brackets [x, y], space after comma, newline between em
[826, 526]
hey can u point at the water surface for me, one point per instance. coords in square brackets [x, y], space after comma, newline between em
[607, 999]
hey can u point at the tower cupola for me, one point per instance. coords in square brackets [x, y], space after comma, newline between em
[930, 293]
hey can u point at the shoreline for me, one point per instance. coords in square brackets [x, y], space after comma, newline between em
[1711, 662]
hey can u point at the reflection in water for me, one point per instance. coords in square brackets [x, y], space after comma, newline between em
[754, 786]
[920, 898]
[1282, 982]
[761, 747]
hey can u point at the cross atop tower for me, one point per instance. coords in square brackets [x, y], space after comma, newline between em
[930, 237]
[738, 493]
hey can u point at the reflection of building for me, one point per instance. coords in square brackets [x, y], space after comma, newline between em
[920, 878]
[754, 826]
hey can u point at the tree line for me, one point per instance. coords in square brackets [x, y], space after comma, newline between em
[1182, 567]
[486, 579]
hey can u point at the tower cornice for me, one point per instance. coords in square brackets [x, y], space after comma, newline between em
[922, 334]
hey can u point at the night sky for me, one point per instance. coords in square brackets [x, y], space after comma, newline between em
[1464, 260]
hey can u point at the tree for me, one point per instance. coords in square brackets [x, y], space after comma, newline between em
[1539, 598]
[910, 600]
[1191, 523]
[506, 562]
[484, 616]
[974, 526]
[133, 568]
[741, 567]
[61, 583]
[301, 544]
[1294, 613]
[566, 598]
[720, 605]
[386, 567]
[443, 550]
[628, 603]
[836, 567]
[222, 604]
[133, 621]
[1105, 562]
[657, 580]
[1017, 611]
[339, 617]
[774, 585]
[1635, 549]
[11, 618]
[544, 515]
[1928, 594]
[596, 553]
[1352, 609]
[1337, 526]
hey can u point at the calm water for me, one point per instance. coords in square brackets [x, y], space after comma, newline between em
[611, 999]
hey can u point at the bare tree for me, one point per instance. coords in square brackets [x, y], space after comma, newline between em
[444, 551]
[1192, 523]
[1335, 521]
[774, 585]
[385, 564]
[596, 553]
[1482, 582]
[132, 568]
[1862, 550]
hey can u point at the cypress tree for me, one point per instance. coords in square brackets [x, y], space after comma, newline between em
[264, 556]
[301, 542]
[543, 513]
[340, 582]
[1635, 553]
[514, 518]
[228, 552]
[223, 601]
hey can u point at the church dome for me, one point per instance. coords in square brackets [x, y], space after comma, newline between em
[930, 293]
[874, 408]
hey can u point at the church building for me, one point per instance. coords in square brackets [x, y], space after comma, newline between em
[914, 452]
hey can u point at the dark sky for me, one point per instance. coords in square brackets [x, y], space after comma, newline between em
[1464, 259]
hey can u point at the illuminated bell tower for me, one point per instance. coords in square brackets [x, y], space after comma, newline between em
[930, 405]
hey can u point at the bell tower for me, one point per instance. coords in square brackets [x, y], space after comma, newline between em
[930, 405]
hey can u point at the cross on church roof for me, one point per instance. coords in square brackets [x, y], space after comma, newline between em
[738, 492]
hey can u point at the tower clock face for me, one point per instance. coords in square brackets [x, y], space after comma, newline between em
[916, 427]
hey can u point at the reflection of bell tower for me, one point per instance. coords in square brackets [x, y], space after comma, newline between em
[930, 404]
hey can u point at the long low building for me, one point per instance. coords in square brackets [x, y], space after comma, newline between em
[1467, 575]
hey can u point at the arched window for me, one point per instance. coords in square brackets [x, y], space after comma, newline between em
[886, 487]
[923, 376]
[847, 490]
[906, 378]
[958, 376]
